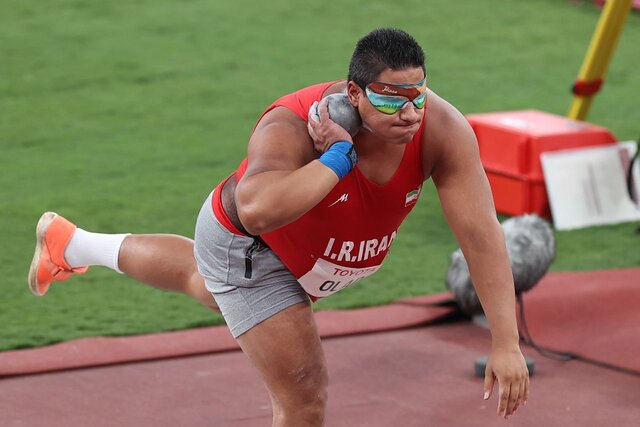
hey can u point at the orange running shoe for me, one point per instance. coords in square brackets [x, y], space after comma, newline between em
[53, 234]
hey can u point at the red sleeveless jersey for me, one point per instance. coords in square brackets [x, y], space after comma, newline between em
[346, 236]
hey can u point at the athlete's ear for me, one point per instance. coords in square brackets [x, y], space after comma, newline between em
[355, 93]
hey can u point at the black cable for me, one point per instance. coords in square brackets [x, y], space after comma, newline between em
[630, 183]
[562, 355]
[631, 186]
[526, 338]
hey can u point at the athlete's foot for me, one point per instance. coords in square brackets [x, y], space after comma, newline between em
[53, 234]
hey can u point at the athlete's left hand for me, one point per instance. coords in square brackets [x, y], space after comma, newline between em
[510, 369]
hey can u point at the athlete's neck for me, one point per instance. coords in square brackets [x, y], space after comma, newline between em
[378, 160]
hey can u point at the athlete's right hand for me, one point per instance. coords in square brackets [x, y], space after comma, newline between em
[325, 132]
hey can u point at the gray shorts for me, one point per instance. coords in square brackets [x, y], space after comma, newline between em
[247, 280]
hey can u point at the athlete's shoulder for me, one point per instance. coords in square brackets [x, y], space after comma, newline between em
[282, 119]
[446, 130]
[313, 92]
[441, 113]
[443, 118]
[301, 100]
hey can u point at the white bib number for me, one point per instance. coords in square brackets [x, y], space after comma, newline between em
[327, 278]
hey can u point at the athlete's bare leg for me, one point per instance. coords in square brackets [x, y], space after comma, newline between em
[164, 261]
[287, 352]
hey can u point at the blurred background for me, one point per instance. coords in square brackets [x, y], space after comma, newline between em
[122, 116]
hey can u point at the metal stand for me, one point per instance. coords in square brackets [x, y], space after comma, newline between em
[480, 365]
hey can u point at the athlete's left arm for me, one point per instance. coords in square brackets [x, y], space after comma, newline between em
[451, 151]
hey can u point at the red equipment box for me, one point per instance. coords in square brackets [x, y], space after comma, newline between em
[510, 146]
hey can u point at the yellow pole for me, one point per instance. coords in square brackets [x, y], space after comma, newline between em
[594, 67]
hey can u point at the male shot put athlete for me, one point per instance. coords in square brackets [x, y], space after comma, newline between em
[309, 206]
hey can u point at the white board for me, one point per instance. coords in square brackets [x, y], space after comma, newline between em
[588, 186]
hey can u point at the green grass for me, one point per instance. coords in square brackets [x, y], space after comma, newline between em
[123, 115]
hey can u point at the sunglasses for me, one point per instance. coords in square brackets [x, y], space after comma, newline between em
[389, 98]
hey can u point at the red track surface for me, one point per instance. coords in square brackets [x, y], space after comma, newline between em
[411, 377]
[594, 314]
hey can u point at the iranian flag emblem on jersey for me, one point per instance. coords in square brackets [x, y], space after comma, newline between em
[412, 197]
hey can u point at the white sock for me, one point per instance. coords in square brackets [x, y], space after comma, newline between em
[86, 248]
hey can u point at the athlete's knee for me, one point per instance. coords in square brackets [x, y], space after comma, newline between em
[305, 397]
[311, 383]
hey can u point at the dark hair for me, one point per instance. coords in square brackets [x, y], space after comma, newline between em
[381, 49]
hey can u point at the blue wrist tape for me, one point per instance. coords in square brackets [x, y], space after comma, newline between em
[340, 158]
